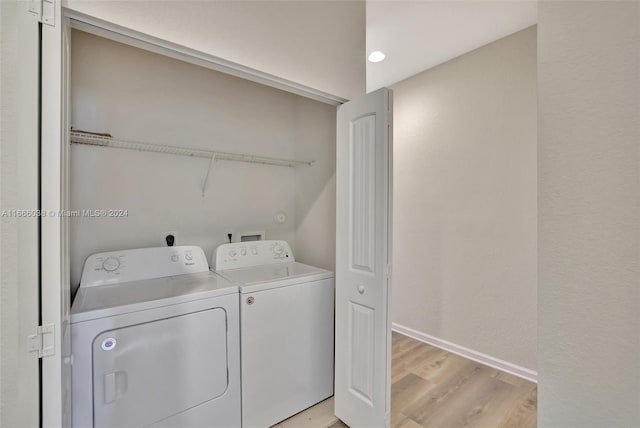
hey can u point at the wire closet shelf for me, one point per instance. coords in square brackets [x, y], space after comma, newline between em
[92, 139]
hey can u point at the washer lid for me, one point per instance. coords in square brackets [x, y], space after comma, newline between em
[109, 300]
[265, 277]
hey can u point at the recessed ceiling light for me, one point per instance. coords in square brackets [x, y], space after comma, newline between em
[376, 56]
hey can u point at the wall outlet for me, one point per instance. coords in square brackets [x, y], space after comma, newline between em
[165, 237]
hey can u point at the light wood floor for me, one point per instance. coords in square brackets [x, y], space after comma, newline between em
[434, 388]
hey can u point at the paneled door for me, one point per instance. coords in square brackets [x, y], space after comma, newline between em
[363, 260]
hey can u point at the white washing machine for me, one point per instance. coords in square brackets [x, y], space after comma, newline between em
[286, 322]
[155, 341]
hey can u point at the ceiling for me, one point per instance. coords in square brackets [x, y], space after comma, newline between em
[418, 35]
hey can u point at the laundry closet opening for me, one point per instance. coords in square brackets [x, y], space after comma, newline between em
[139, 96]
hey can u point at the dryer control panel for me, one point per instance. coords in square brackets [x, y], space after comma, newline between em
[251, 253]
[145, 263]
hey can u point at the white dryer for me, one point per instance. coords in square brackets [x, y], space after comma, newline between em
[287, 321]
[155, 342]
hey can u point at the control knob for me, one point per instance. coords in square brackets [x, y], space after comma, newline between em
[110, 264]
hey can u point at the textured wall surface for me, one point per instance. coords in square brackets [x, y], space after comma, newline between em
[142, 96]
[589, 214]
[320, 44]
[464, 258]
[18, 236]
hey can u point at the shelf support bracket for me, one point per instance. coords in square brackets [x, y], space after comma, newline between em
[206, 177]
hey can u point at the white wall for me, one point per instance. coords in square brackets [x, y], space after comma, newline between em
[137, 95]
[315, 199]
[19, 374]
[589, 214]
[465, 200]
[316, 43]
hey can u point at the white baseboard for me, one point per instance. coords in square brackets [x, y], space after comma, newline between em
[488, 360]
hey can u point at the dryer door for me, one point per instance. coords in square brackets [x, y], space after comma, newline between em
[145, 373]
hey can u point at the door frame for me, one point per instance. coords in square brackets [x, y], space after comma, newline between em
[127, 36]
[55, 295]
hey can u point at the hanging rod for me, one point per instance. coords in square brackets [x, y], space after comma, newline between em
[108, 141]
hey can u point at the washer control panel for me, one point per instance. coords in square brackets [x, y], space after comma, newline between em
[251, 253]
[144, 263]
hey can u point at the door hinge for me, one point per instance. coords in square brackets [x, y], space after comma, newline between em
[45, 10]
[44, 341]
[388, 270]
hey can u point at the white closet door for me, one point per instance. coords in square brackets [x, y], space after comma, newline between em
[363, 257]
[54, 262]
